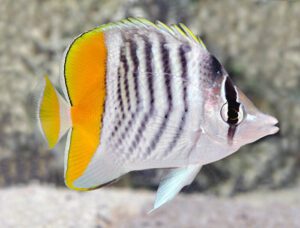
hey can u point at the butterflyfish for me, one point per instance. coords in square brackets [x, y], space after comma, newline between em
[138, 95]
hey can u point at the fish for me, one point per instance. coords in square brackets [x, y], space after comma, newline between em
[137, 95]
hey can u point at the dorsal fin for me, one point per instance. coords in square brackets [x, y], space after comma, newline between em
[179, 31]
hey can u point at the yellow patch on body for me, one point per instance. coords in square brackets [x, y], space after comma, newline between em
[85, 69]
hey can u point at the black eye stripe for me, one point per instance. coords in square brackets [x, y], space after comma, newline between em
[233, 105]
[230, 91]
[233, 108]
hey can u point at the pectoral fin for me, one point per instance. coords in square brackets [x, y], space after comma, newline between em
[173, 182]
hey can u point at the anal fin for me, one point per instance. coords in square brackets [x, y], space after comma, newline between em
[101, 171]
[173, 182]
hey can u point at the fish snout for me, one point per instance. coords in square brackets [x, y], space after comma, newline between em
[270, 123]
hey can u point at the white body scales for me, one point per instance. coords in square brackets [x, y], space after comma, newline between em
[168, 104]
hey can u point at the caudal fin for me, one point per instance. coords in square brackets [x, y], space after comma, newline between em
[53, 114]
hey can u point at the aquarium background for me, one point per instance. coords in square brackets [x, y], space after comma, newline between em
[257, 41]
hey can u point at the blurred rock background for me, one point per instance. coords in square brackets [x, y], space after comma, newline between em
[258, 40]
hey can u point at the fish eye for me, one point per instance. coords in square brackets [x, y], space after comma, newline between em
[231, 115]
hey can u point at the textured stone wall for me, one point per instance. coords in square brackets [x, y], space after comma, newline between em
[258, 41]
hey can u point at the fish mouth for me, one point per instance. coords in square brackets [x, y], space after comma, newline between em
[272, 120]
[274, 129]
[272, 125]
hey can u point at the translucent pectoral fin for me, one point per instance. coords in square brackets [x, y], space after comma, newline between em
[173, 182]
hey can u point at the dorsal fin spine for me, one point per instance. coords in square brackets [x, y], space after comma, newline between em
[178, 31]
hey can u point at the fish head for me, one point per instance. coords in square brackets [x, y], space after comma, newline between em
[230, 118]
[252, 124]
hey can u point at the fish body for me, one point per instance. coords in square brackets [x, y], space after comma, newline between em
[139, 95]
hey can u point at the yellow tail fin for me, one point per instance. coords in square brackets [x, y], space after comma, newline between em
[53, 114]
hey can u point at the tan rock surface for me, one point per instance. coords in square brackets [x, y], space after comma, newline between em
[47, 206]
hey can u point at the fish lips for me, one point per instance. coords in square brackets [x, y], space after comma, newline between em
[255, 128]
[271, 124]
